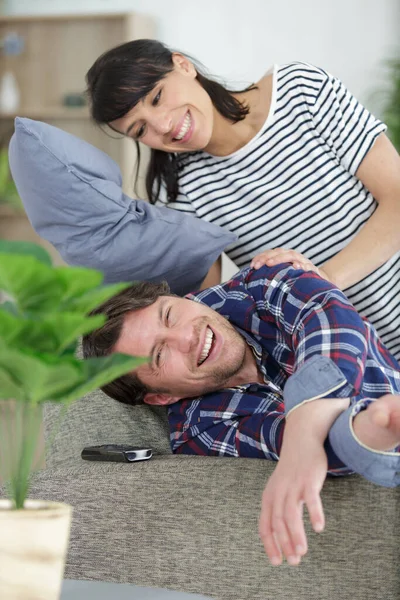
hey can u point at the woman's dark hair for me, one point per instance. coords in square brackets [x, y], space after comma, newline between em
[124, 75]
[128, 389]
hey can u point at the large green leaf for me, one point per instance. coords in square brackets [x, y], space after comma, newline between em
[10, 327]
[69, 327]
[54, 333]
[32, 285]
[58, 380]
[92, 299]
[41, 377]
[77, 281]
[97, 372]
[27, 334]
[9, 307]
[9, 389]
[25, 248]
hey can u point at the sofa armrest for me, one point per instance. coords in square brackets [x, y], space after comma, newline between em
[191, 524]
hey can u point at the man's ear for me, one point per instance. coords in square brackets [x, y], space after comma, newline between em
[160, 399]
[183, 64]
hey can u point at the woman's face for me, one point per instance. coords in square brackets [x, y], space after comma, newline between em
[176, 116]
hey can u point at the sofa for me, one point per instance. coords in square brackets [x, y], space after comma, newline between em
[190, 523]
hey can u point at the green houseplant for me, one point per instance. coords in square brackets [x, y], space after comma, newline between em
[44, 312]
[8, 191]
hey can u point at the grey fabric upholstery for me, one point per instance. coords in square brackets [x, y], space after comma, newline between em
[97, 419]
[190, 523]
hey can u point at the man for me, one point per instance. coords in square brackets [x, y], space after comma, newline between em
[275, 363]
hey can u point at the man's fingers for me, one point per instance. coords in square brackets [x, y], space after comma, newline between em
[294, 518]
[282, 534]
[272, 548]
[315, 510]
[267, 537]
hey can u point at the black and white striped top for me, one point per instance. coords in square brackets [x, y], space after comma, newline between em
[294, 186]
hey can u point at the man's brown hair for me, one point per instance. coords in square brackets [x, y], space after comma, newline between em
[101, 342]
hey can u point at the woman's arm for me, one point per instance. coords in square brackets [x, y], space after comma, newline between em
[379, 239]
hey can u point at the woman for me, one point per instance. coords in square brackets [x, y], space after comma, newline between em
[291, 161]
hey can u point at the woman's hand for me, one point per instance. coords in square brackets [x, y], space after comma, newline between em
[297, 480]
[283, 255]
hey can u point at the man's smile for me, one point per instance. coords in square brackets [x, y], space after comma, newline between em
[210, 346]
[206, 345]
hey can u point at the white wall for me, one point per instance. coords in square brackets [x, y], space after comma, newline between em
[349, 38]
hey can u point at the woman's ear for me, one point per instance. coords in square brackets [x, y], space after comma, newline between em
[183, 64]
[160, 399]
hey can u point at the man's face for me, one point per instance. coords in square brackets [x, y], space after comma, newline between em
[192, 349]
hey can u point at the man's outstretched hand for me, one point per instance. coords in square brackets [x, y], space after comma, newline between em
[297, 481]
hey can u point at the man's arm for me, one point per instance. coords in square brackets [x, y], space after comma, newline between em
[297, 481]
[316, 320]
[228, 423]
[234, 422]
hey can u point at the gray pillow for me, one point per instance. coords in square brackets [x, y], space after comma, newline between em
[72, 195]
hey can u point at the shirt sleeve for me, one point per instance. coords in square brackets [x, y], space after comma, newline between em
[348, 128]
[316, 319]
[236, 424]
[228, 423]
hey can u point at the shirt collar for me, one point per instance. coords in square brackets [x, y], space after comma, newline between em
[260, 355]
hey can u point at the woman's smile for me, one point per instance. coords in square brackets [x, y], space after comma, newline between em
[184, 130]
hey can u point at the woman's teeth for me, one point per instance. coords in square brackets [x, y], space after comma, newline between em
[185, 127]
[207, 346]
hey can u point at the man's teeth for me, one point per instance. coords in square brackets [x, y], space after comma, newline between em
[184, 128]
[207, 346]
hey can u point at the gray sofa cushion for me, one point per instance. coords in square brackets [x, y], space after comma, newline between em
[191, 524]
[73, 197]
[97, 419]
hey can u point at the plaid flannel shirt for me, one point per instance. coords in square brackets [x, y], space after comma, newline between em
[286, 316]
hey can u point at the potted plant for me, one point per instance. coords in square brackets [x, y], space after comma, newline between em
[43, 314]
[8, 191]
